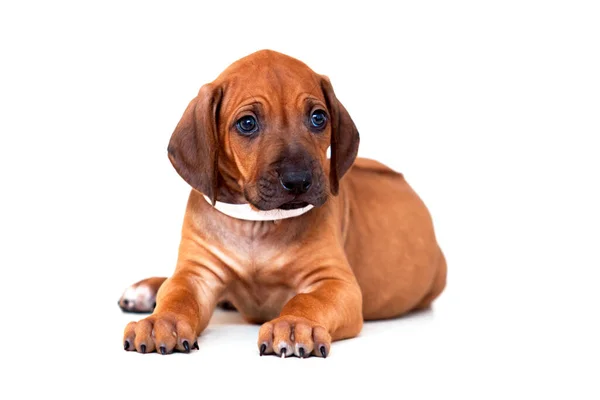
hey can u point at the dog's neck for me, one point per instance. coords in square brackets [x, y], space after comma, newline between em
[246, 212]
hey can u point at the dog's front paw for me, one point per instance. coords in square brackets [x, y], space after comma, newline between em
[162, 333]
[289, 335]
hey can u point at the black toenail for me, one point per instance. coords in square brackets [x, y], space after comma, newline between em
[163, 350]
[126, 345]
[154, 306]
[301, 352]
[263, 348]
[283, 352]
[125, 302]
[323, 352]
[196, 346]
[186, 346]
[143, 348]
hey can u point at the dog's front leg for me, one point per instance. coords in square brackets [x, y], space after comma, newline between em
[184, 305]
[329, 309]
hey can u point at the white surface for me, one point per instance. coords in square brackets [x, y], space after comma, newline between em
[491, 111]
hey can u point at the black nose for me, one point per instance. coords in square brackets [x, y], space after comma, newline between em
[296, 182]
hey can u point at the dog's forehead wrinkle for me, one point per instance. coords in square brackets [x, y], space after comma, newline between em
[280, 102]
[277, 78]
[309, 100]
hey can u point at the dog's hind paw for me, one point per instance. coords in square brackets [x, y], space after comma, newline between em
[141, 296]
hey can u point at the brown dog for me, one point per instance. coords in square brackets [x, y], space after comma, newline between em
[253, 143]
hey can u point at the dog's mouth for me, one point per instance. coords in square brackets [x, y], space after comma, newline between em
[284, 202]
[292, 205]
[266, 205]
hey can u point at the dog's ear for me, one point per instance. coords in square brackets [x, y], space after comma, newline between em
[194, 145]
[344, 137]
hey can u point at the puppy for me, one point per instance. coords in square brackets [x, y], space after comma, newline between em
[307, 246]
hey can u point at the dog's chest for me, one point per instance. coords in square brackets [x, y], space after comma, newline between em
[262, 260]
[264, 284]
[250, 247]
[258, 302]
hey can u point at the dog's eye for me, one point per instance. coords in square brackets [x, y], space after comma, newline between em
[247, 125]
[318, 119]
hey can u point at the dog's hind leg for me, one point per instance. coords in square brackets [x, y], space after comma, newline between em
[439, 283]
[141, 296]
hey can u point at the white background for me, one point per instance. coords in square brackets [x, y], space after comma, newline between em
[491, 110]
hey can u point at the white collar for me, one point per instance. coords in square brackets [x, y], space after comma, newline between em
[244, 211]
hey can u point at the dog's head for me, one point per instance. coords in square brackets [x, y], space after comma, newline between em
[259, 134]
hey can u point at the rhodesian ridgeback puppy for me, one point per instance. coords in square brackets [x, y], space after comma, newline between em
[306, 245]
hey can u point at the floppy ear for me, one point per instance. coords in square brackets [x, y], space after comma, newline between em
[344, 137]
[194, 145]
